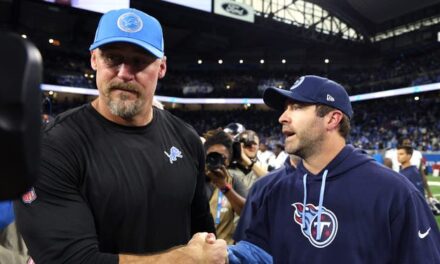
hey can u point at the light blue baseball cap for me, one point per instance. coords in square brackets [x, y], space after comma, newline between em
[132, 26]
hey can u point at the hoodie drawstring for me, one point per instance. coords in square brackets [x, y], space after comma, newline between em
[321, 201]
[305, 199]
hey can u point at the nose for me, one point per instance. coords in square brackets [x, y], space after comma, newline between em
[126, 72]
[284, 118]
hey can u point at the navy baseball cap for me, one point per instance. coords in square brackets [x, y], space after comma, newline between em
[310, 89]
[132, 26]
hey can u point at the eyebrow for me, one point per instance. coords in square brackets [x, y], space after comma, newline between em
[292, 102]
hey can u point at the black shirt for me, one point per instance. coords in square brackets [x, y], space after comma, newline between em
[106, 189]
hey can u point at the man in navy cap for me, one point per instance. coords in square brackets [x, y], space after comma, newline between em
[339, 205]
[121, 179]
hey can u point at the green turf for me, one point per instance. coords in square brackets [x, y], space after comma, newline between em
[435, 191]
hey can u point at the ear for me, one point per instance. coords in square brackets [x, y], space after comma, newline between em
[163, 67]
[333, 119]
[93, 61]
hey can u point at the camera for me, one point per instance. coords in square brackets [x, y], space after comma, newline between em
[214, 161]
[248, 138]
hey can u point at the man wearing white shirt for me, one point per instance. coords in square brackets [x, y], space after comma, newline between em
[279, 158]
[264, 155]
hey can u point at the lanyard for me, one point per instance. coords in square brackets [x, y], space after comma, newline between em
[219, 207]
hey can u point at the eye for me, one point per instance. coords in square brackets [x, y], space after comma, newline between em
[113, 59]
[295, 106]
[140, 62]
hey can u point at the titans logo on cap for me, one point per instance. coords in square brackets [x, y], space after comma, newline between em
[297, 83]
[130, 22]
[320, 234]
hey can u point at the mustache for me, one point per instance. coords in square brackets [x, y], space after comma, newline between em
[123, 86]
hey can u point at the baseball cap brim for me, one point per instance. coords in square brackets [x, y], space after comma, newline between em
[276, 98]
[151, 49]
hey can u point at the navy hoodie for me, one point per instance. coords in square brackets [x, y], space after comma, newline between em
[254, 197]
[368, 214]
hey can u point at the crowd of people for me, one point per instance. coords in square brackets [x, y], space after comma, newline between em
[377, 125]
[249, 82]
[373, 128]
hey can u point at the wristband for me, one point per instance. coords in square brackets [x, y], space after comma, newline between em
[226, 188]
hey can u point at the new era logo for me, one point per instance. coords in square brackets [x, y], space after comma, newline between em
[330, 98]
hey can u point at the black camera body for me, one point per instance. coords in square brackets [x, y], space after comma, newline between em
[215, 161]
[247, 138]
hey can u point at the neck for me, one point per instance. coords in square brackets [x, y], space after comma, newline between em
[324, 155]
[406, 165]
[141, 119]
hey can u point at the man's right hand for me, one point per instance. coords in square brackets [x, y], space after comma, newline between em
[206, 249]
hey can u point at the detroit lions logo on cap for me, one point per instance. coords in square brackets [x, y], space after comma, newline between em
[319, 236]
[297, 83]
[130, 22]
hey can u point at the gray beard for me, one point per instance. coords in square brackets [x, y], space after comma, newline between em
[125, 109]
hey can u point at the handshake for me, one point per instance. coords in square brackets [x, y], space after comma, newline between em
[205, 248]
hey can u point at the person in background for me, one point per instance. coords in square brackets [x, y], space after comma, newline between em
[279, 157]
[12, 247]
[121, 181]
[248, 162]
[264, 154]
[391, 161]
[225, 192]
[404, 154]
[414, 175]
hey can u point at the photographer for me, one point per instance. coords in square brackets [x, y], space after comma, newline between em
[224, 190]
[245, 158]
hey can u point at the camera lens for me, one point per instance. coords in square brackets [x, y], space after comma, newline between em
[214, 161]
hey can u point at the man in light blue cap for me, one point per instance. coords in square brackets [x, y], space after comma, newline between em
[121, 181]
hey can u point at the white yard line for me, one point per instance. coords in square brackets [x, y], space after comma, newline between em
[432, 183]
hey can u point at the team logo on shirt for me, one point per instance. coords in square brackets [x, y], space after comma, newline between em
[174, 154]
[319, 236]
[29, 197]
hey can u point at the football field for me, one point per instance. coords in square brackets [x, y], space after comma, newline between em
[434, 184]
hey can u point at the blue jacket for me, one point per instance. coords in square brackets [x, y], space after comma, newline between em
[6, 214]
[354, 211]
[255, 195]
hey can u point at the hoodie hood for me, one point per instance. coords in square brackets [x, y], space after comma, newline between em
[348, 158]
